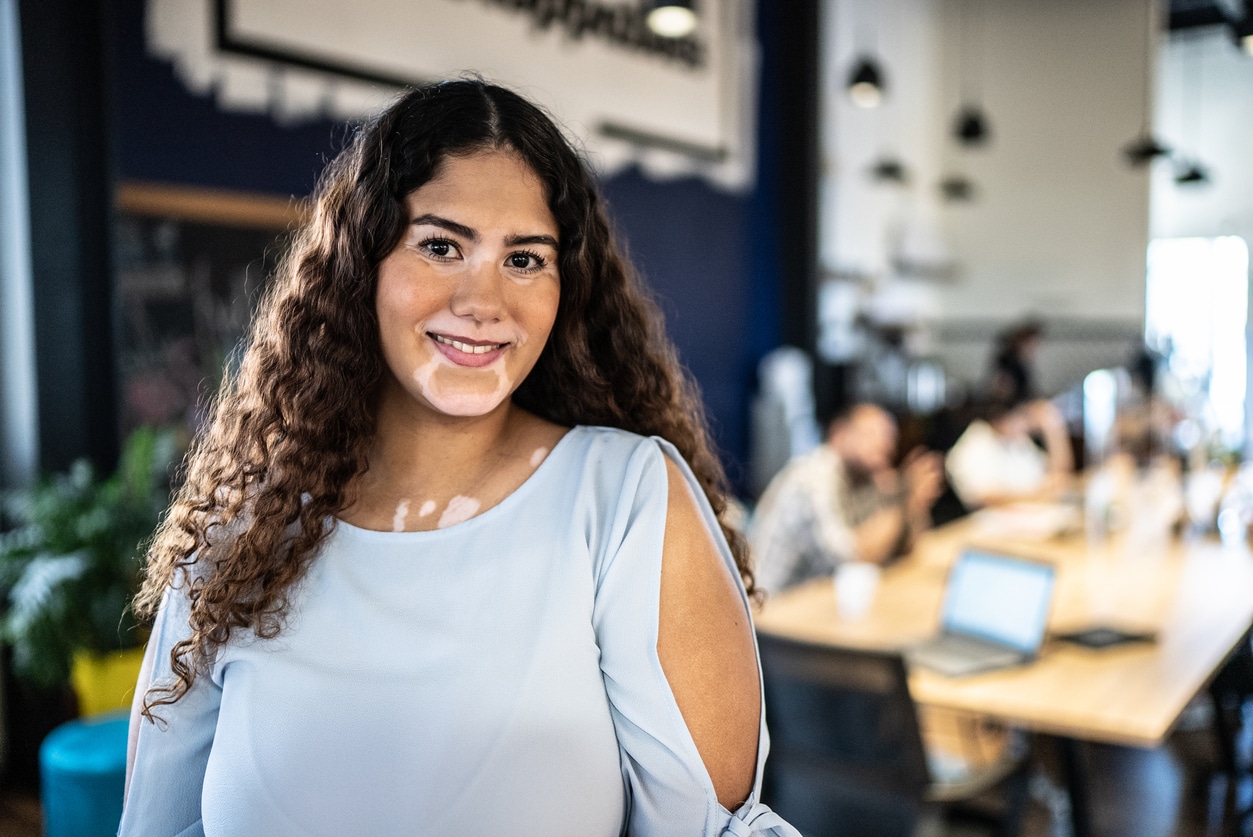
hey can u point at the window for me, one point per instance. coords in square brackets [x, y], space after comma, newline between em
[1196, 308]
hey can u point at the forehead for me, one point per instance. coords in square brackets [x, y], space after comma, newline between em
[869, 419]
[497, 186]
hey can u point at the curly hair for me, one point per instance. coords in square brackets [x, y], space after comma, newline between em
[290, 431]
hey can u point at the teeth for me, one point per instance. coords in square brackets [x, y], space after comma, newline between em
[466, 347]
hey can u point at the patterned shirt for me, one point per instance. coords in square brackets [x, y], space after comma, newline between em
[804, 525]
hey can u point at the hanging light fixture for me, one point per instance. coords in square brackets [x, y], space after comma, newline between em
[970, 125]
[673, 18]
[865, 83]
[889, 169]
[1191, 173]
[1146, 148]
[957, 188]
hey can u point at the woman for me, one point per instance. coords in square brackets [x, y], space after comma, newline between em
[1013, 374]
[428, 573]
[997, 461]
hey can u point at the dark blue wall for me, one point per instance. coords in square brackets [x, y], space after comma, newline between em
[710, 256]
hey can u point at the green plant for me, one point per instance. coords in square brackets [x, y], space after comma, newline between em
[72, 562]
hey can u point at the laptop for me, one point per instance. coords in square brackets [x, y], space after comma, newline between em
[996, 607]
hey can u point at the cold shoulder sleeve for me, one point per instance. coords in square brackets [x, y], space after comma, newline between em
[167, 779]
[669, 790]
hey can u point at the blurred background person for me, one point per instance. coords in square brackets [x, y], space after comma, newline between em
[997, 460]
[844, 502]
[1012, 379]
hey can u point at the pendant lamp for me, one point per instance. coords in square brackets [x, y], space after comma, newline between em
[957, 188]
[970, 126]
[672, 18]
[890, 169]
[1191, 173]
[1146, 148]
[865, 83]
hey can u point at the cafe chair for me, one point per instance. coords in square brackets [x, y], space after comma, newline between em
[847, 755]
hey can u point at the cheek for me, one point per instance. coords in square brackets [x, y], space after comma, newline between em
[541, 314]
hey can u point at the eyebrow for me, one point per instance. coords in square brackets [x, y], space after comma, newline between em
[516, 240]
[470, 233]
[443, 223]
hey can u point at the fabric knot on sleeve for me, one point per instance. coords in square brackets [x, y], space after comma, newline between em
[754, 819]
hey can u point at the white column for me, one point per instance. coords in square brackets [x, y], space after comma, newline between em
[19, 429]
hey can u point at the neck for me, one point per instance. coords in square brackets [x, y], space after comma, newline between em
[416, 451]
[429, 471]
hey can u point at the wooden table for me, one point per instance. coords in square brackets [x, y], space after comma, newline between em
[1197, 596]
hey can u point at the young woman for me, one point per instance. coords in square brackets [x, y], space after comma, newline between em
[448, 559]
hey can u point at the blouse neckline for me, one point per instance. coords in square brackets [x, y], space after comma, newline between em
[511, 499]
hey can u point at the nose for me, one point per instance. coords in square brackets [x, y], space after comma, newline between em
[480, 294]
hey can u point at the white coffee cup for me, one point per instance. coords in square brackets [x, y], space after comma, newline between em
[855, 585]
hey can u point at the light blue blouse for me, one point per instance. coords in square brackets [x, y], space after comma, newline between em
[499, 676]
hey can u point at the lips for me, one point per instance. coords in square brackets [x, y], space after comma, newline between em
[465, 352]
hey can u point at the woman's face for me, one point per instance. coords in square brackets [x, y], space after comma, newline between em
[466, 301]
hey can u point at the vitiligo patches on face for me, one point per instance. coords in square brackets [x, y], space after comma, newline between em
[538, 456]
[460, 509]
[426, 508]
[461, 391]
[402, 511]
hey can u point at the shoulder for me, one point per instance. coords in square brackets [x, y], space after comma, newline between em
[619, 456]
[978, 432]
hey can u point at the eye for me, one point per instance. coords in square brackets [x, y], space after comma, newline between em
[526, 261]
[439, 248]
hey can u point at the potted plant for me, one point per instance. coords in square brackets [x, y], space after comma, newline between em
[70, 566]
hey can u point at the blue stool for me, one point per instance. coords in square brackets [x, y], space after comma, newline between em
[82, 766]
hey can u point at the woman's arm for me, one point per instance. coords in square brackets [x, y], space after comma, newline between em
[705, 644]
[678, 656]
[137, 705]
[167, 760]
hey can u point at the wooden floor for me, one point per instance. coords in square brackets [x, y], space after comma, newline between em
[1168, 792]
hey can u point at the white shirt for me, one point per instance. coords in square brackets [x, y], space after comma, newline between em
[984, 463]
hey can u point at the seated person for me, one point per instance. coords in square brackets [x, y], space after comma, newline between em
[843, 502]
[996, 460]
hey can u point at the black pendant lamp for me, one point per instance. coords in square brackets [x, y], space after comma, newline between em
[1191, 173]
[865, 83]
[890, 170]
[971, 126]
[1146, 148]
[672, 18]
[957, 188]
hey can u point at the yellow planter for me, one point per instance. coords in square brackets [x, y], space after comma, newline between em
[104, 682]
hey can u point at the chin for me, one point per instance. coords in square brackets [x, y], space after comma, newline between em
[467, 406]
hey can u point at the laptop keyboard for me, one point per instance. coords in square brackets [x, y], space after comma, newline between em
[953, 654]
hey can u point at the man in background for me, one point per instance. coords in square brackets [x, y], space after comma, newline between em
[843, 502]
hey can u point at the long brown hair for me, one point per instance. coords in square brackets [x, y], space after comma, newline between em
[290, 431]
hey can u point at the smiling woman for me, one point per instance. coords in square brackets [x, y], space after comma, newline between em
[449, 558]
[467, 299]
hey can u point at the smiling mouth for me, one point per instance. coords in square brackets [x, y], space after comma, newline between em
[467, 348]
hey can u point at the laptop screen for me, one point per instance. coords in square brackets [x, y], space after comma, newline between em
[999, 598]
